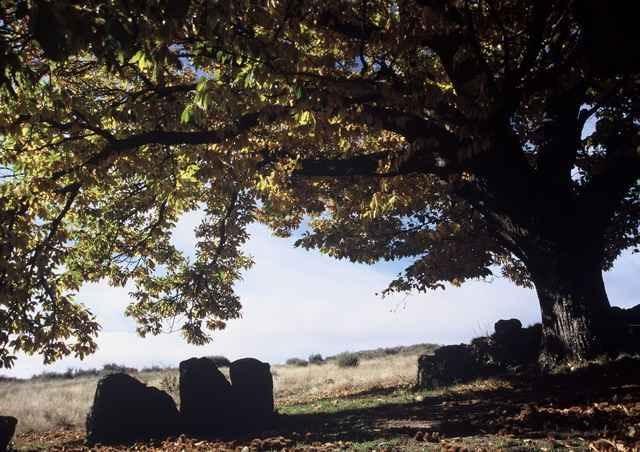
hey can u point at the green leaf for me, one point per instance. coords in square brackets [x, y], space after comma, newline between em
[187, 114]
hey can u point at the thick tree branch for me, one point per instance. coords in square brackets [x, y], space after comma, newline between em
[620, 171]
[242, 125]
[561, 140]
[513, 78]
[117, 146]
[379, 164]
[458, 49]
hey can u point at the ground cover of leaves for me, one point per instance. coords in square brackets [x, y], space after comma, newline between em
[596, 409]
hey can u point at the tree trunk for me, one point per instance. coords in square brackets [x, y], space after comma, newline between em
[576, 315]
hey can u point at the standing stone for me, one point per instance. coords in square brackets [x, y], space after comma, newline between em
[515, 346]
[253, 392]
[7, 429]
[125, 409]
[507, 328]
[206, 404]
[449, 364]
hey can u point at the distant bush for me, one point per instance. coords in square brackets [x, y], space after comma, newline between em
[46, 375]
[113, 368]
[7, 379]
[417, 349]
[85, 372]
[297, 362]
[220, 361]
[157, 368]
[171, 384]
[347, 359]
[316, 358]
[71, 373]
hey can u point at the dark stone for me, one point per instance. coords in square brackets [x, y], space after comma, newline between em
[7, 429]
[252, 385]
[514, 346]
[507, 328]
[530, 345]
[510, 348]
[448, 365]
[625, 329]
[630, 315]
[125, 410]
[206, 400]
[483, 350]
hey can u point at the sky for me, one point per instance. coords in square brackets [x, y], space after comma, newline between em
[298, 302]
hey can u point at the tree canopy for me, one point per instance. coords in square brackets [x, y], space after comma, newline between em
[465, 135]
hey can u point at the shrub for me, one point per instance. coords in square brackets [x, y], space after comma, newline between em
[347, 359]
[297, 362]
[113, 368]
[84, 372]
[170, 383]
[316, 358]
[220, 361]
[5, 378]
[157, 368]
[48, 375]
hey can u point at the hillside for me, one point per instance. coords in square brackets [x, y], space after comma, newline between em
[373, 407]
[61, 400]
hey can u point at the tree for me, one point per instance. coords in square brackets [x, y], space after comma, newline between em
[467, 135]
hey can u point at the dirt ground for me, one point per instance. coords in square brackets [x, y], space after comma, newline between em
[595, 408]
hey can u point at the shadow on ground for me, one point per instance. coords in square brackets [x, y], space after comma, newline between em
[588, 405]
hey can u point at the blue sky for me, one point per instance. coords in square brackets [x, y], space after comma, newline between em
[298, 302]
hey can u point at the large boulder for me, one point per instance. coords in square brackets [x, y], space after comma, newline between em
[7, 429]
[530, 345]
[624, 329]
[515, 346]
[206, 400]
[628, 318]
[448, 365]
[125, 410]
[507, 328]
[252, 385]
[509, 347]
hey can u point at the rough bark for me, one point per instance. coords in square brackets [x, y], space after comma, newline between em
[576, 314]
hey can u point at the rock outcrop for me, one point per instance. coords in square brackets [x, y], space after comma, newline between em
[125, 410]
[448, 365]
[7, 429]
[252, 386]
[206, 400]
[509, 348]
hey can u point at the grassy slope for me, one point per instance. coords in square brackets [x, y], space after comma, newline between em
[373, 408]
[49, 404]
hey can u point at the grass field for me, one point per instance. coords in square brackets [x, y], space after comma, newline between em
[373, 407]
[45, 404]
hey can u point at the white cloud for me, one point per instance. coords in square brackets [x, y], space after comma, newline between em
[297, 302]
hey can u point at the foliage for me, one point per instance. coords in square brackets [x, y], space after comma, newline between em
[114, 368]
[157, 368]
[71, 372]
[316, 358]
[297, 362]
[170, 382]
[403, 350]
[462, 136]
[220, 361]
[46, 375]
[347, 359]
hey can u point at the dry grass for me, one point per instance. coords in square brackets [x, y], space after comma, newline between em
[42, 405]
[304, 384]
